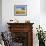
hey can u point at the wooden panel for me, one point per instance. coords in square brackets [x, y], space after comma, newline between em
[22, 27]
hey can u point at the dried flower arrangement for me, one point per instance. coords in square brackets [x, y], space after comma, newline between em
[41, 36]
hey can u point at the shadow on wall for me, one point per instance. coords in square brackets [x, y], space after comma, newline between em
[0, 24]
[43, 6]
[0, 15]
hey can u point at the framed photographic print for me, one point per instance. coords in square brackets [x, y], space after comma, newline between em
[20, 10]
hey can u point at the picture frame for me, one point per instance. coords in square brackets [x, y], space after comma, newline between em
[20, 10]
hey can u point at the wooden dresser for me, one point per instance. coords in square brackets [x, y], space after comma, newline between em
[22, 33]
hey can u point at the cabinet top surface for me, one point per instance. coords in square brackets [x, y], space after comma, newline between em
[19, 23]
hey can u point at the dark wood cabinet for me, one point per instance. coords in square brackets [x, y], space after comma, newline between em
[22, 33]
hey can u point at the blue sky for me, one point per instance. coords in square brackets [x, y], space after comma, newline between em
[20, 6]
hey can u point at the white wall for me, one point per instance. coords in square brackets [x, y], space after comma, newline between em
[33, 10]
[33, 14]
[43, 14]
